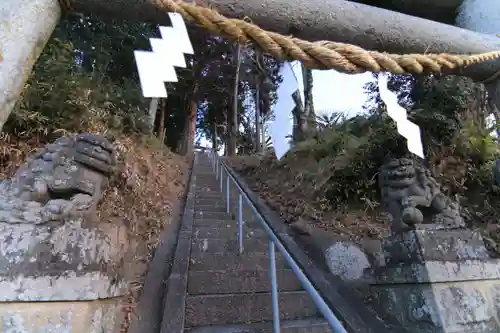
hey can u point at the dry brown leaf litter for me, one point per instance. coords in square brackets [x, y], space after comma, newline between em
[285, 189]
[143, 195]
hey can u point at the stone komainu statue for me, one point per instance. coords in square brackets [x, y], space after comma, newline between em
[63, 179]
[412, 196]
[52, 251]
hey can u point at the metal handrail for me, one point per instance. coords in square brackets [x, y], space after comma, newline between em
[274, 242]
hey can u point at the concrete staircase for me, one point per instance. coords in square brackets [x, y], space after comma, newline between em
[213, 288]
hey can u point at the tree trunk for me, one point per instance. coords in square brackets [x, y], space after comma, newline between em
[335, 20]
[496, 115]
[309, 113]
[153, 108]
[258, 146]
[214, 138]
[263, 131]
[298, 118]
[187, 143]
[493, 90]
[161, 125]
[233, 123]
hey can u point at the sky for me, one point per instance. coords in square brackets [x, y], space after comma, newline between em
[332, 91]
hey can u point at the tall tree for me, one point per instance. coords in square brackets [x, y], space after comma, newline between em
[309, 113]
[235, 107]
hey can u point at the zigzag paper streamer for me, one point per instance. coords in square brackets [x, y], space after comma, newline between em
[282, 125]
[157, 67]
[406, 128]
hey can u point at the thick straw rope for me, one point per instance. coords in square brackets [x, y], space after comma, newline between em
[322, 54]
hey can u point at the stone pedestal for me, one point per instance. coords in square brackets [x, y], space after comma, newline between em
[439, 281]
[61, 277]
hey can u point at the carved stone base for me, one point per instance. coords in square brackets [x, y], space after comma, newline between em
[70, 261]
[51, 274]
[439, 281]
[429, 243]
[61, 317]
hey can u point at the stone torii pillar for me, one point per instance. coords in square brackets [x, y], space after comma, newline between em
[25, 28]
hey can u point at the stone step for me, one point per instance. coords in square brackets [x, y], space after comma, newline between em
[211, 208]
[213, 215]
[213, 195]
[215, 190]
[204, 261]
[221, 205]
[226, 223]
[210, 201]
[219, 199]
[225, 245]
[210, 196]
[245, 281]
[313, 325]
[212, 190]
[247, 213]
[228, 231]
[205, 310]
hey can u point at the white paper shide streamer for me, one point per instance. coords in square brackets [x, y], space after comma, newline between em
[157, 67]
[409, 130]
[282, 126]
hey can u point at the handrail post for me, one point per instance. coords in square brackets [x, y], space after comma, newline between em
[221, 168]
[240, 223]
[274, 287]
[227, 193]
[216, 169]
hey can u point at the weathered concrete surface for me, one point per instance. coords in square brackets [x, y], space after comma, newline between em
[426, 244]
[60, 317]
[334, 20]
[25, 28]
[347, 261]
[439, 281]
[68, 262]
[342, 257]
[458, 307]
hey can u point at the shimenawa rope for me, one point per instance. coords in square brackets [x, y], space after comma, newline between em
[322, 54]
[317, 55]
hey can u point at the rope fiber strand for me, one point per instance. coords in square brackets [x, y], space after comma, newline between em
[342, 57]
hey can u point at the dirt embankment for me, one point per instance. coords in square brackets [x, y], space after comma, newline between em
[291, 189]
[151, 181]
